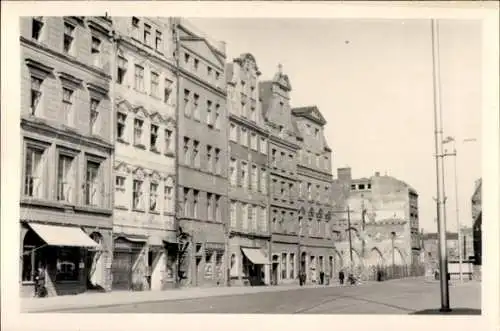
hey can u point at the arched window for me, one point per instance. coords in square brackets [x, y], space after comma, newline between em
[31, 255]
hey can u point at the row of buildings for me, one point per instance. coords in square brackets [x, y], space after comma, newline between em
[151, 161]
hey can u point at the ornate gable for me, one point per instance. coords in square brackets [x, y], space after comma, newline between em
[202, 48]
[139, 173]
[155, 176]
[156, 118]
[122, 167]
[141, 112]
[124, 106]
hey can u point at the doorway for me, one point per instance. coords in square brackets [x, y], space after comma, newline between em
[197, 270]
[274, 271]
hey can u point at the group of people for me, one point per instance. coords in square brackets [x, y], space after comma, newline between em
[350, 278]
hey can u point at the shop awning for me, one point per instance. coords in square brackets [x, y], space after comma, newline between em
[255, 255]
[59, 235]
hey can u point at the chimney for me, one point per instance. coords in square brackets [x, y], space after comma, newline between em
[344, 174]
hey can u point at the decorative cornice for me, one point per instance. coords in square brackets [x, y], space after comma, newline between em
[217, 90]
[70, 80]
[98, 27]
[39, 67]
[137, 46]
[314, 173]
[98, 89]
[248, 124]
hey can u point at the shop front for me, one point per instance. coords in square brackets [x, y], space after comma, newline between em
[64, 254]
[129, 266]
[284, 263]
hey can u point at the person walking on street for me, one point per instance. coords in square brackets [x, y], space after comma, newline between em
[341, 277]
[40, 290]
[321, 277]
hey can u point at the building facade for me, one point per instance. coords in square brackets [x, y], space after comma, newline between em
[283, 186]
[203, 157]
[249, 237]
[314, 170]
[67, 151]
[144, 166]
[477, 217]
[383, 213]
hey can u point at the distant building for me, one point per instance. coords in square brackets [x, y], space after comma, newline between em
[249, 237]
[67, 148]
[430, 242]
[477, 221]
[384, 219]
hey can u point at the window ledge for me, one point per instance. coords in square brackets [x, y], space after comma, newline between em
[120, 140]
[138, 210]
[120, 207]
[28, 282]
[94, 209]
[169, 154]
[141, 146]
[154, 212]
[168, 213]
[154, 150]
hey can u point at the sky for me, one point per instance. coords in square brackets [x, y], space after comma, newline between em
[372, 80]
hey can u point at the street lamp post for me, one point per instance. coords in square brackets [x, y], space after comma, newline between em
[350, 239]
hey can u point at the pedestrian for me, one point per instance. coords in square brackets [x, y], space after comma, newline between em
[341, 277]
[321, 277]
[40, 290]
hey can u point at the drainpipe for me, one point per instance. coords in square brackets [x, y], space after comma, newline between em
[174, 25]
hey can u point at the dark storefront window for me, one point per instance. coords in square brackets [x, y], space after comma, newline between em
[32, 256]
[67, 265]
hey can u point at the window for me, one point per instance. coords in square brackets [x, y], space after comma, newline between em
[316, 133]
[68, 37]
[153, 196]
[253, 141]
[209, 113]
[168, 140]
[283, 266]
[263, 219]
[187, 158]
[94, 114]
[318, 193]
[33, 172]
[68, 105]
[153, 137]
[138, 131]
[147, 34]
[36, 94]
[328, 231]
[36, 28]
[210, 208]
[196, 154]
[292, 265]
[309, 191]
[255, 178]
[65, 178]
[196, 64]
[155, 84]
[121, 70]
[251, 217]
[255, 221]
[186, 58]
[196, 110]
[232, 213]
[244, 137]
[273, 157]
[120, 199]
[244, 216]
[232, 172]
[275, 186]
[274, 221]
[243, 109]
[137, 194]
[353, 187]
[195, 203]
[167, 90]
[217, 116]
[244, 174]
[96, 51]
[135, 27]
[120, 125]
[369, 186]
[209, 159]
[300, 225]
[68, 260]
[139, 78]
[326, 162]
[232, 132]
[93, 191]
[217, 161]
[263, 181]
[187, 110]
[168, 196]
[158, 43]
[187, 211]
[361, 186]
[327, 194]
[253, 114]
[209, 72]
[217, 208]
[311, 230]
[290, 192]
[217, 75]
[263, 145]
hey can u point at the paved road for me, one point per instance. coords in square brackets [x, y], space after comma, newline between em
[395, 297]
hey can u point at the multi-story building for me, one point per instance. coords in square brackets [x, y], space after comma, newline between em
[67, 150]
[314, 170]
[144, 167]
[249, 236]
[284, 142]
[383, 212]
[203, 156]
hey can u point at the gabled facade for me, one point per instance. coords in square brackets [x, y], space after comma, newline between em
[249, 236]
[67, 150]
[315, 195]
[203, 156]
[144, 166]
[284, 143]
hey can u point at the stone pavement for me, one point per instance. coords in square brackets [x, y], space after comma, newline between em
[92, 299]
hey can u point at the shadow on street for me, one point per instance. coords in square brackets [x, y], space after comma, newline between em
[455, 311]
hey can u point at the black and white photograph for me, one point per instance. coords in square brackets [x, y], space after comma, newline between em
[266, 164]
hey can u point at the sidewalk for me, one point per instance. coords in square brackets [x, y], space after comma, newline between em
[85, 300]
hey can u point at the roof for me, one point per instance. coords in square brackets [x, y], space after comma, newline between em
[310, 112]
[247, 57]
[229, 72]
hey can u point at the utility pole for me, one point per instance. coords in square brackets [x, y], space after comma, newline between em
[438, 133]
[350, 239]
